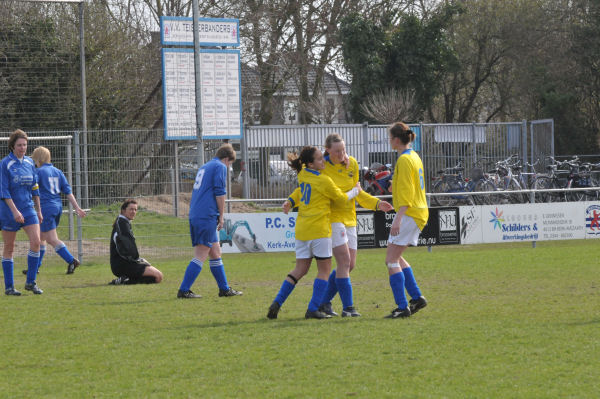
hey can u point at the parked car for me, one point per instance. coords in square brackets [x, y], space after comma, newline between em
[279, 172]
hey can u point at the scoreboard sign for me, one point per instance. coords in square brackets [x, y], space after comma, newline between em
[221, 101]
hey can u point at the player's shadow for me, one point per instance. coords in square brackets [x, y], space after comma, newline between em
[281, 324]
[86, 285]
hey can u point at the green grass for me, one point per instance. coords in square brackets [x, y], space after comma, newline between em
[504, 321]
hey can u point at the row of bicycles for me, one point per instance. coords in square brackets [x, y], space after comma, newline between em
[515, 182]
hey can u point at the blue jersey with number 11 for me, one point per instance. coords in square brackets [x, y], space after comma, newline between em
[52, 183]
[211, 182]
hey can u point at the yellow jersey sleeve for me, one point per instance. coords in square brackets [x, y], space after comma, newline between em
[294, 197]
[367, 201]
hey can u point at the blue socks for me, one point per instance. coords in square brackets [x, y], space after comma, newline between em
[7, 268]
[191, 273]
[63, 252]
[319, 287]
[332, 288]
[345, 288]
[285, 291]
[410, 283]
[42, 252]
[218, 272]
[342, 285]
[33, 261]
[397, 284]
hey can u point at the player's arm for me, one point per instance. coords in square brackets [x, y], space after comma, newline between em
[38, 207]
[367, 201]
[80, 212]
[13, 209]
[395, 228]
[5, 189]
[221, 206]
[220, 191]
[292, 200]
[334, 193]
[35, 193]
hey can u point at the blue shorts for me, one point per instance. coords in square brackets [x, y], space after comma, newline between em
[51, 219]
[9, 223]
[203, 232]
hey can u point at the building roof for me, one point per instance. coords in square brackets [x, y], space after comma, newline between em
[332, 84]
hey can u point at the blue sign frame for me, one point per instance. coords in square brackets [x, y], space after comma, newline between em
[165, 19]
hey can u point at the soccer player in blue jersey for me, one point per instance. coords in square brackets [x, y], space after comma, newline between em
[313, 229]
[408, 194]
[19, 191]
[207, 209]
[52, 183]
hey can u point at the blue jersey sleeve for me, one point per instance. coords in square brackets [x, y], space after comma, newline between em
[220, 181]
[5, 180]
[65, 187]
[35, 189]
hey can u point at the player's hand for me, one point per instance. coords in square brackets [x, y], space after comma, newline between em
[40, 217]
[80, 212]
[287, 205]
[220, 223]
[346, 161]
[358, 187]
[18, 217]
[385, 206]
[395, 229]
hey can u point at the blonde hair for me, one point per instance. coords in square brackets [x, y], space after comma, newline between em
[41, 156]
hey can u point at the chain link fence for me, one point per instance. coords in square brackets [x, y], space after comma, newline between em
[159, 174]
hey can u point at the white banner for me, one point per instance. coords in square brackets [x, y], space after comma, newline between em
[275, 232]
[529, 222]
[258, 232]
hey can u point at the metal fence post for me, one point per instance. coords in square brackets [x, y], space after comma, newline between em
[176, 181]
[306, 142]
[365, 138]
[70, 177]
[244, 169]
[524, 141]
[78, 192]
[473, 142]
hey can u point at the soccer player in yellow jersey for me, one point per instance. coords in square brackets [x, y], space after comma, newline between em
[313, 229]
[343, 170]
[408, 194]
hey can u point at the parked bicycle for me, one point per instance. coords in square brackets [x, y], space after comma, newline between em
[504, 179]
[451, 182]
[566, 175]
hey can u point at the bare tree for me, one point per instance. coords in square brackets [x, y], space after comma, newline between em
[391, 105]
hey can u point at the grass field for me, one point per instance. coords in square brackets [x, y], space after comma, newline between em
[503, 321]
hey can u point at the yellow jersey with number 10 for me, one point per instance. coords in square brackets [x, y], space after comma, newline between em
[408, 187]
[345, 179]
[317, 195]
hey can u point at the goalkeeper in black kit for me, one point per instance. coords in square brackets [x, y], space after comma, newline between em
[125, 261]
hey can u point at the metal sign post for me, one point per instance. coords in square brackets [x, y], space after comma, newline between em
[197, 84]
